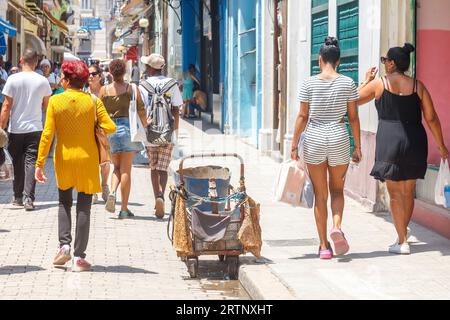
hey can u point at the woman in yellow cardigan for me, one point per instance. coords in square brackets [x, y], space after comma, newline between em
[71, 115]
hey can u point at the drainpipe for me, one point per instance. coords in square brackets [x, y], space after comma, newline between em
[414, 5]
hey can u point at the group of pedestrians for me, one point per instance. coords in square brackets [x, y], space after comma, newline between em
[73, 117]
[401, 151]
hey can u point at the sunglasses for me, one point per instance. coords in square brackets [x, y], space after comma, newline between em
[383, 60]
[95, 74]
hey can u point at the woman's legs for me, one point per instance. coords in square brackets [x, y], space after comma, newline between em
[83, 224]
[115, 179]
[64, 217]
[398, 208]
[105, 170]
[409, 196]
[104, 175]
[318, 175]
[336, 184]
[402, 205]
[126, 163]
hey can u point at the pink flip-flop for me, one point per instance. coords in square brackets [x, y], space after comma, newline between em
[341, 246]
[326, 254]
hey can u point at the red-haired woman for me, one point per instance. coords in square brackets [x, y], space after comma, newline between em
[71, 115]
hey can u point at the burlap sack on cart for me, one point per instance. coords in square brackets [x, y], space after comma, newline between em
[182, 241]
[250, 234]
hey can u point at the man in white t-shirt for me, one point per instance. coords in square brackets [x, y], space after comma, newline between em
[26, 97]
[160, 156]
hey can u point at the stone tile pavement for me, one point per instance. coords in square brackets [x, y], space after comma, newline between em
[132, 259]
[291, 244]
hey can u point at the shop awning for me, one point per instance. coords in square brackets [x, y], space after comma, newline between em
[2, 44]
[7, 28]
[60, 24]
[26, 13]
[35, 43]
[132, 7]
[130, 22]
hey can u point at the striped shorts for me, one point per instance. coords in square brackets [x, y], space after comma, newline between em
[327, 142]
[160, 157]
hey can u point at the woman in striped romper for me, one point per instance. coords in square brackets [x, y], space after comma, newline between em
[325, 100]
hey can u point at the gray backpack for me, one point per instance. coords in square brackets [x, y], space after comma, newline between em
[159, 114]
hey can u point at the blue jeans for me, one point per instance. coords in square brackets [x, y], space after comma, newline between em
[121, 140]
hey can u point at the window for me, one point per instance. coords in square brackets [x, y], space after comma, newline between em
[86, 4]
[347, 30]
[348, 33]
[319, 31]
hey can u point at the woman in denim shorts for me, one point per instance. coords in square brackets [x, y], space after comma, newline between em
[117, 97]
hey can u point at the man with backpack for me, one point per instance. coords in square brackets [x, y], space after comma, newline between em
[162, 98]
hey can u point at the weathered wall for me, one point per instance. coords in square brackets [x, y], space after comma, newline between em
[433, 61]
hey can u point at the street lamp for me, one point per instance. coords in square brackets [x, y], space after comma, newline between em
[144, 23]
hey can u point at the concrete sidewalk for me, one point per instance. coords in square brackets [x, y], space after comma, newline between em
[291, 241]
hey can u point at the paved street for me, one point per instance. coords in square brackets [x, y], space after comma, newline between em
[132, 259]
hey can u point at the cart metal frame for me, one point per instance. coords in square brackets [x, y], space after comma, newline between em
[229, 248]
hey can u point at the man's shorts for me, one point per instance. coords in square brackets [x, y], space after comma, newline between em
[160, 157]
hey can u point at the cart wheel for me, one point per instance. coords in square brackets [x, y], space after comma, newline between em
[192, 265]
[233, 267]
[221, 258]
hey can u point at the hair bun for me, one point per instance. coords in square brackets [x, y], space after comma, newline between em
[408, 48]
[332, 41]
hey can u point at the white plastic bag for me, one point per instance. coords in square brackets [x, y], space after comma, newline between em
[7, 169]
[289, 183]
[137, 130]
[307, 198]
[443, 180]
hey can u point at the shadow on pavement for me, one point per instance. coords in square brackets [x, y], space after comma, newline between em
[120, 269]
[4, 231]
[138, 218]
[415, 249]
[6, 270]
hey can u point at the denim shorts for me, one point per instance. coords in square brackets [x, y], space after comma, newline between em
[121, 140]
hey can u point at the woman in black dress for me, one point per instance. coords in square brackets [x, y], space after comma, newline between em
[402, 146]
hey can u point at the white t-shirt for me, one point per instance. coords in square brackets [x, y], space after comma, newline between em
[177, 99]
[28, 89]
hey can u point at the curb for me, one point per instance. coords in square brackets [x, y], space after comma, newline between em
[432, 217]
[261, 283]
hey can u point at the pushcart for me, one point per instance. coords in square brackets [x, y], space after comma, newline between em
[215, 212]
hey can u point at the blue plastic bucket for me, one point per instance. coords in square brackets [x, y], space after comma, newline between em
[196, 181]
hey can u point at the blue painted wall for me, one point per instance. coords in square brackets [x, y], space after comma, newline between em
[223, 62]
[242, 68]
[190, 11]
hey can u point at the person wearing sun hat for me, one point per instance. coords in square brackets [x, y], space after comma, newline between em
[160, 156]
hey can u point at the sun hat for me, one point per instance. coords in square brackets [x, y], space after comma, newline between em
[156, 61]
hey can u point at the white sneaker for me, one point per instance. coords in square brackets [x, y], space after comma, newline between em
[400, 248]
[111, 203]
[105, 193]
[80, 265]
[94, 199]
[408, 235]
